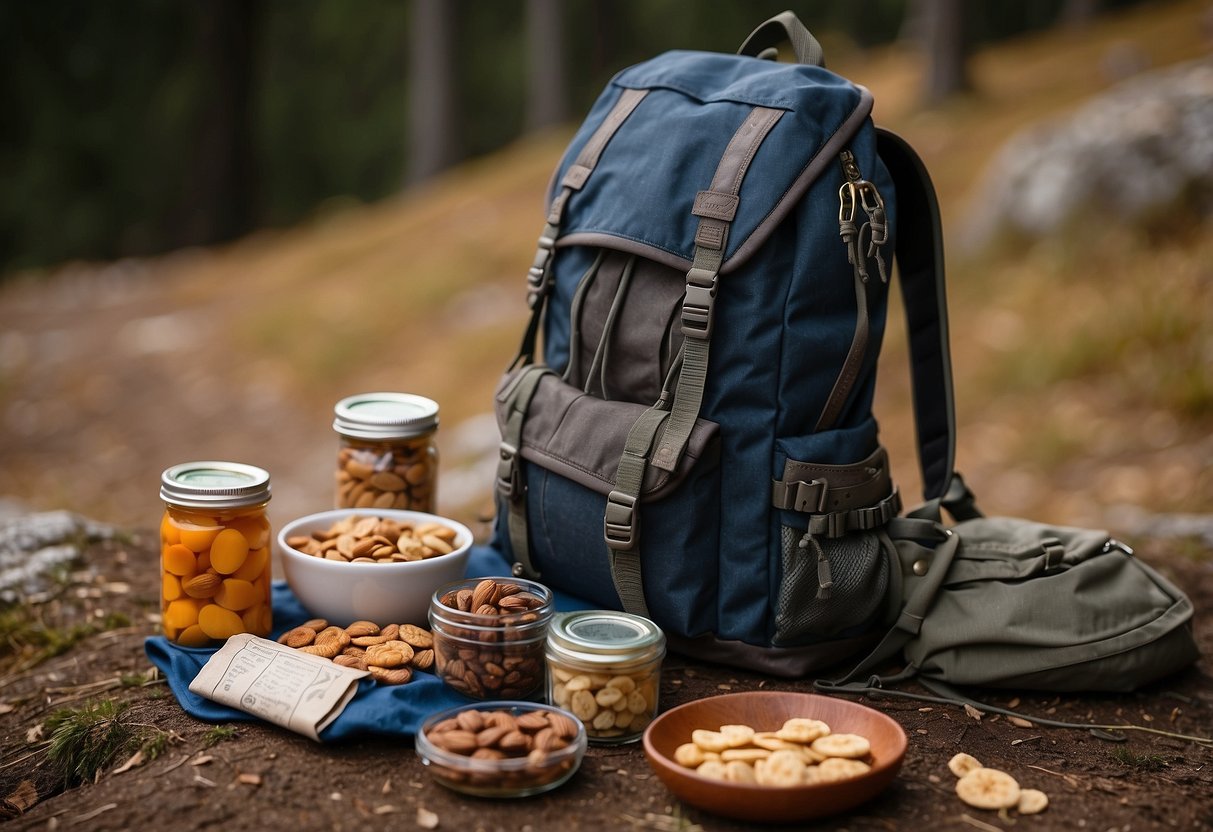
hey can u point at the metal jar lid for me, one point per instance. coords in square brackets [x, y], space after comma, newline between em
[385, 416]
[604, 637]
[214, 485]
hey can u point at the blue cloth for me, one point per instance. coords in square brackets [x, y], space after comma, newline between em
[396, 710]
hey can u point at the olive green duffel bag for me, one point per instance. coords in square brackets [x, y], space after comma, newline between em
[1006, 603]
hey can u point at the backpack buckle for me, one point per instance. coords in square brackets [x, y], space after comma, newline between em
[509, 477]
[619, 522]
[538, 276]
[698, 303]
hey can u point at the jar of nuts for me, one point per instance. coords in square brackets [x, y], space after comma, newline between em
[214, 552]
[605, 667]
[386, 455]
[489, 636]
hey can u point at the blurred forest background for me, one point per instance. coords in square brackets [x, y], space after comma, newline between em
[141, 126]
[219, 217]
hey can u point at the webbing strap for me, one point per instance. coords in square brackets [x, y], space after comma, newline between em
[539, 276]
[716, 209]
[920, 263]
[620, 523]
[909, 622]
[510, 483]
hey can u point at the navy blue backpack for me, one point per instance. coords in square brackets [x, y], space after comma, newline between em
[697, 444]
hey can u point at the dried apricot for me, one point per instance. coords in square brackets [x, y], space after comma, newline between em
[219, 623]
[229, 550]
[179, 561]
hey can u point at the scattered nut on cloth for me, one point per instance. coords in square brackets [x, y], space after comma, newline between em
[377, 709]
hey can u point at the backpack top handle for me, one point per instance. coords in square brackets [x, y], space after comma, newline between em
[764, 41]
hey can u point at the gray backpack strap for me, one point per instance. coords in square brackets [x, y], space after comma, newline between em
[539, 279]
[715, 208]
[539, 285]
[671, 429]
[785, 26]
[921, 272]
[510, 484]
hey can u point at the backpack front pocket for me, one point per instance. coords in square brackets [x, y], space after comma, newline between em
[568, 459]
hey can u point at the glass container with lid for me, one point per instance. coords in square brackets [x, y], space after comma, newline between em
[386, 456]
[605, 667]
[215, 567]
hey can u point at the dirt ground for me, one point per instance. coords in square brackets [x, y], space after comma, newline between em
[1147, 782]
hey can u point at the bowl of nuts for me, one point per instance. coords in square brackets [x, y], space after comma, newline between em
[774, 756]
[371, 564]
[502, 749]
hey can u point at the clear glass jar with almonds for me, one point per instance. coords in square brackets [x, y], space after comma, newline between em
[387, 456]
[215, 564]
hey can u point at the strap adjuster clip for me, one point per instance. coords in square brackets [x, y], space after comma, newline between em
[698, 303]
[619, 522]
[509, 477]
[538, 276]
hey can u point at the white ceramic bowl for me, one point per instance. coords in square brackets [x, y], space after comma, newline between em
[386, 593]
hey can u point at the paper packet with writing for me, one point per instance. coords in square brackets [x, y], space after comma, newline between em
[298, 691]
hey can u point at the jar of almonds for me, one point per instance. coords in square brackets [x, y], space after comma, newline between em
[605, 667]
[386, 455]
[214, 552]
[489, 636]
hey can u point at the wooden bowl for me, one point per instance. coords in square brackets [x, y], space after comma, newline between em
[767, 711]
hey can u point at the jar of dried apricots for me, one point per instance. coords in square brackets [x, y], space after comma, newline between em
[214, 552]
[386, 456]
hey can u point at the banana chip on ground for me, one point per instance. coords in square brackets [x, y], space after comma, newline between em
[1032, 801]
[962, 764]
[988, 788]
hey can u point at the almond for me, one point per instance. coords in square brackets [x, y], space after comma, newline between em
[423, 659]
[202, 586]
[483, 593]
[298, 637]
[325, 650]
[437, 544]
[457, 742]
[392, 676]
[415, 636]
[362, 628]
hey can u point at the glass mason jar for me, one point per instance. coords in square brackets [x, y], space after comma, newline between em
[214, 552]
[386, 454]
[489, 636]
[605, 667]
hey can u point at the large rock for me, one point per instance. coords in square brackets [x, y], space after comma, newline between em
[1140, 154]
[34, 546]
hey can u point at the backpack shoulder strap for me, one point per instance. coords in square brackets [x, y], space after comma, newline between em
[919, 255]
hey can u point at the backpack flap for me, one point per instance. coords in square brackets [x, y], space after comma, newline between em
[693, 103]
[1030, 606]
